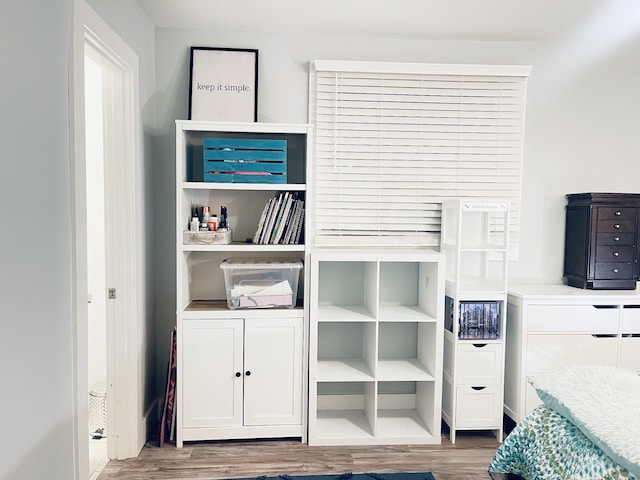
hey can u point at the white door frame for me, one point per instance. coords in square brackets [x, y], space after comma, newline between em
[126, 424]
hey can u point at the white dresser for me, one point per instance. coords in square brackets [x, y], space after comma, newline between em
[552, 326]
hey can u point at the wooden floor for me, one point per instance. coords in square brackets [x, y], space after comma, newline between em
[467, 459]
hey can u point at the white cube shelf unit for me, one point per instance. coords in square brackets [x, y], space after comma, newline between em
[375, 354]
[475, 240]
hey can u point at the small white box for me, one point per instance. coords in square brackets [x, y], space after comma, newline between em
[260, 283]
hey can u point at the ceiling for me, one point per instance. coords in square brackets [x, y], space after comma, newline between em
[508, 20]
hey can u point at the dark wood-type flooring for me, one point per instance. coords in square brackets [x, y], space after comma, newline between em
[467, 459]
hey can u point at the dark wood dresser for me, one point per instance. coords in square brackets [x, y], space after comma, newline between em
[601, 240]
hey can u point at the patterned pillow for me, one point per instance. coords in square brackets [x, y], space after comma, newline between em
[603, 402]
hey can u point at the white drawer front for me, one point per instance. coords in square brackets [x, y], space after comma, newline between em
[572, 318]
[546, 353]
[630, 353]
[479, 364]
[631, 320]
[478, 407]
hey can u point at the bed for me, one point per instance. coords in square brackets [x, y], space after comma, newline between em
[588, 428]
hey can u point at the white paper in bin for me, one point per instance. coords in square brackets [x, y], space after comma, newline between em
[261, 296]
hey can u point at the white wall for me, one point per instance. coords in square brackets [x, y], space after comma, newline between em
[96, 248]
[582, 126]
[35, 243]
[36, 238]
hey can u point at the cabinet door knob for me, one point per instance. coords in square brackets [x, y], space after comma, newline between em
[616, 226]
[238, 374]
[247, 373]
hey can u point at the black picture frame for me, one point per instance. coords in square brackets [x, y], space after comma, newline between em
[223, 84]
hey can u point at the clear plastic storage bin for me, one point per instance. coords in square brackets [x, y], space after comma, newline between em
[259, 283]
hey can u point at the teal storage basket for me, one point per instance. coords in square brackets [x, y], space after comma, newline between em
[244, 160]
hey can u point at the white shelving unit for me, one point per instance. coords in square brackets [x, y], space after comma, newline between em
[375, 355]
[475, 241]
[224, 357]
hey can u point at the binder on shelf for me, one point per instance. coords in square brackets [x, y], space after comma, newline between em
[282, 220]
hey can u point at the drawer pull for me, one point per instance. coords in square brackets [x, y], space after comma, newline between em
[605, 306]
[616, 239]
[614, 270]
[631, 335]
[618, 213]
[616, 254]
[616, 226]
[604, 335]
[479, 345]
[478, 388]
[631, 306]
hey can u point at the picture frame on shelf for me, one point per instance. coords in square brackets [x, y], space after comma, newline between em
[223, 84]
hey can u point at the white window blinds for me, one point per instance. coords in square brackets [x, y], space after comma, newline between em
[393, 140]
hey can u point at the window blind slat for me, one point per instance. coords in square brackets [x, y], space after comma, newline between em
[393, 140]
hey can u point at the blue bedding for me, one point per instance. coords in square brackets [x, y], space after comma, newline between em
[547, 446]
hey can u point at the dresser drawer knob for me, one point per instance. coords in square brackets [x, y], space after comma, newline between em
[614, 270]
[616, 226]
[616, 254]
[616, 239]
[618, 213]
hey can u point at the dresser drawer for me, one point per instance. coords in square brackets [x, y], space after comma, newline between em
[622, 226]
[631, 319]
[478, 407]
[572, 318]
[479, 364]
[615, 238]
[620, 213]
[614, 253]
[546, 353]
[614, 271]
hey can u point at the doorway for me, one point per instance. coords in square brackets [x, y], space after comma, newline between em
[96, 260]
[108, 249]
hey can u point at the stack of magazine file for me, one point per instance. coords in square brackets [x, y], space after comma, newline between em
[282, 220]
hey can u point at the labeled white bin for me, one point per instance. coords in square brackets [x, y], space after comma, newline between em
[260, 283]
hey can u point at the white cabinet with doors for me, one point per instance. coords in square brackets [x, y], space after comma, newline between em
[375, 355]
[240, 372]
[475, 241]
[241, 378]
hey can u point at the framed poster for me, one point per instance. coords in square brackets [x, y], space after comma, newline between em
[223, 84]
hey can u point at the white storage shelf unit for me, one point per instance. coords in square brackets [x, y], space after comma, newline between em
[199, 276]
[376, 347]
[270, 402]
[475, 240]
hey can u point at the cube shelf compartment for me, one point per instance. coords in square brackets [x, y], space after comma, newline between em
[376, 347]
